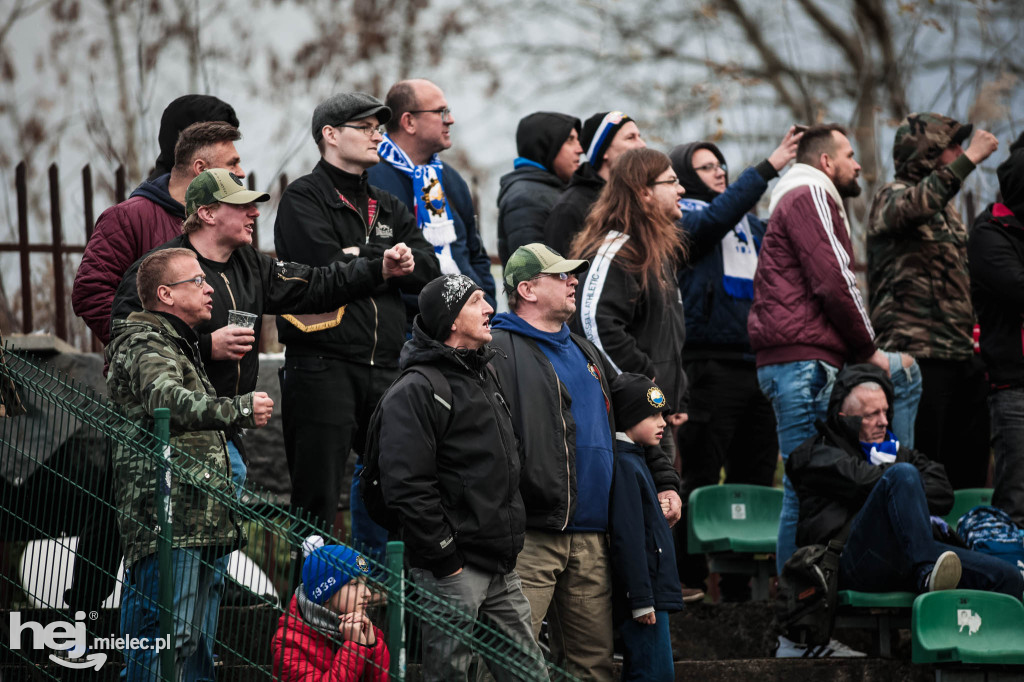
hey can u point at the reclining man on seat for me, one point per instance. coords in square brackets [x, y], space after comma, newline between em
[855, 468]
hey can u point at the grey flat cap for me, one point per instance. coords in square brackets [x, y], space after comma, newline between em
[347, 106]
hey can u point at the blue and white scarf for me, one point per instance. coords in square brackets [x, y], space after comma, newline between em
[884, 452]
[739, 254]
[433, 214]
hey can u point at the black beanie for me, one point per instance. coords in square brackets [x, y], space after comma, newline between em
[441, 301]
[180, 114]
[1011, 178]
[634, 399]
[598, 133]
[540, 136]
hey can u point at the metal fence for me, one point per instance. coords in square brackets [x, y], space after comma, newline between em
[64, 594]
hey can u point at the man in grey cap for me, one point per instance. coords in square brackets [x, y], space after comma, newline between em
[339, 363]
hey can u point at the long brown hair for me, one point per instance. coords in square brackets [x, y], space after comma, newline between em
[654, 240]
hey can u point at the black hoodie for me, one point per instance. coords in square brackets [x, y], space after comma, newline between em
[832, 476]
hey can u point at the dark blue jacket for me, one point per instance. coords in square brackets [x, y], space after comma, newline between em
[467, 249]
[643, 555]
[716, 323]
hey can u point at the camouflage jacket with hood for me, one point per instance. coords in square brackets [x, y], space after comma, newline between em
[154, 362]
[918, 282]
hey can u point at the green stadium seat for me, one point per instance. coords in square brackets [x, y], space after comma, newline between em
[965, 500]
[733, 517]
[881, 612]
[968, 626]
[737, 526]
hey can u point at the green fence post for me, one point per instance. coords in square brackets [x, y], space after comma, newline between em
[162, 431]
[396, 609]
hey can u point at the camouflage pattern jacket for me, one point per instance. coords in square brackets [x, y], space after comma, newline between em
[154, 362]
[918, 282]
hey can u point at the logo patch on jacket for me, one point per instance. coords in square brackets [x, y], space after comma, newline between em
[593, 371]
[384, 231]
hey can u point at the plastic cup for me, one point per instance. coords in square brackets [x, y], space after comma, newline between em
[240, 318]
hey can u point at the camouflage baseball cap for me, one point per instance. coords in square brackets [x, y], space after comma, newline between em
[538, 259]
[215, 185]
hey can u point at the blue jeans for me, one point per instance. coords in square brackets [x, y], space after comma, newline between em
[367, 536]
[1006, 409]
[799, 394]
[208, 634]
[647, 650]
[891, 548]
[906, 382]
[140, 616]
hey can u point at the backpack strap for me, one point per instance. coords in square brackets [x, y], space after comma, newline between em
[442, 392]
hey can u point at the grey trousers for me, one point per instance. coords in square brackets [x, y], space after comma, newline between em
[494, 600]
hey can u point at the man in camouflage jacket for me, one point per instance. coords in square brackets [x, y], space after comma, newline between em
[919, 287]
[155, 362]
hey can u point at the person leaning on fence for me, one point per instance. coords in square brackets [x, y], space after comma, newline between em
[155, 362]
[645, 584]
[454, 484]
[326, 634]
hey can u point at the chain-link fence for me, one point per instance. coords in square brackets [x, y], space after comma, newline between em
[71, 608]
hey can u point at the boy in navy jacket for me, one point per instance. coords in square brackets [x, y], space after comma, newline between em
[645, 583]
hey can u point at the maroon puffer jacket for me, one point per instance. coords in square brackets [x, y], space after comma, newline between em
[806, 302]
[123, 234]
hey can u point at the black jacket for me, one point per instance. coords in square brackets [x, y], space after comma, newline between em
[640, 541]
[568, 216]
[995, 254]
[256, 283]
[313, 226]
[541, 413]
[458, 500]
[525, 199]
[833, 478]
[640, 330]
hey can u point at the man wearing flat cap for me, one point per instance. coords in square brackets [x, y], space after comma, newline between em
[919, 287]
[338, 364]
[451, 474]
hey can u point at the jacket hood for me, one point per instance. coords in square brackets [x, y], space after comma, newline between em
[920, 139]
[1011, 178]
[156, 191]
[421, 349]
[849, 378]
[682, 163]
[513, 323]
[527, 174]
[540, 136]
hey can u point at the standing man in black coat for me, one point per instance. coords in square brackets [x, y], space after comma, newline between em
[548, 146]
[338, 364]
[452, 476]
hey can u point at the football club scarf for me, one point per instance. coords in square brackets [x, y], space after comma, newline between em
[884, 452]
[433, 214]
[739, 254]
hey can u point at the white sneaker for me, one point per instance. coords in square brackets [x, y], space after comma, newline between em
[945, 573]
[834, 649]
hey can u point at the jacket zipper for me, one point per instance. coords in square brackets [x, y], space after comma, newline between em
[234, 306]
[376, 317]
[501, 435]
[565, 446]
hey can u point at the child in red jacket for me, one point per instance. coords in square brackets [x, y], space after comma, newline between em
[325, 636]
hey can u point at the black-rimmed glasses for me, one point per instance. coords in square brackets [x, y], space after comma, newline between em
[444, 112]
[670, 181]
[367, 130]
[711, 167]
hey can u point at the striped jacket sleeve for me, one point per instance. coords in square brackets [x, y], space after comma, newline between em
[822, 243]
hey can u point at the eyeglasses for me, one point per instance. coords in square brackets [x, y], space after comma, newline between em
[711, 167]
[671, 181]
[198, 280]
[444, 112]
[367, 130]
[563, 276]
